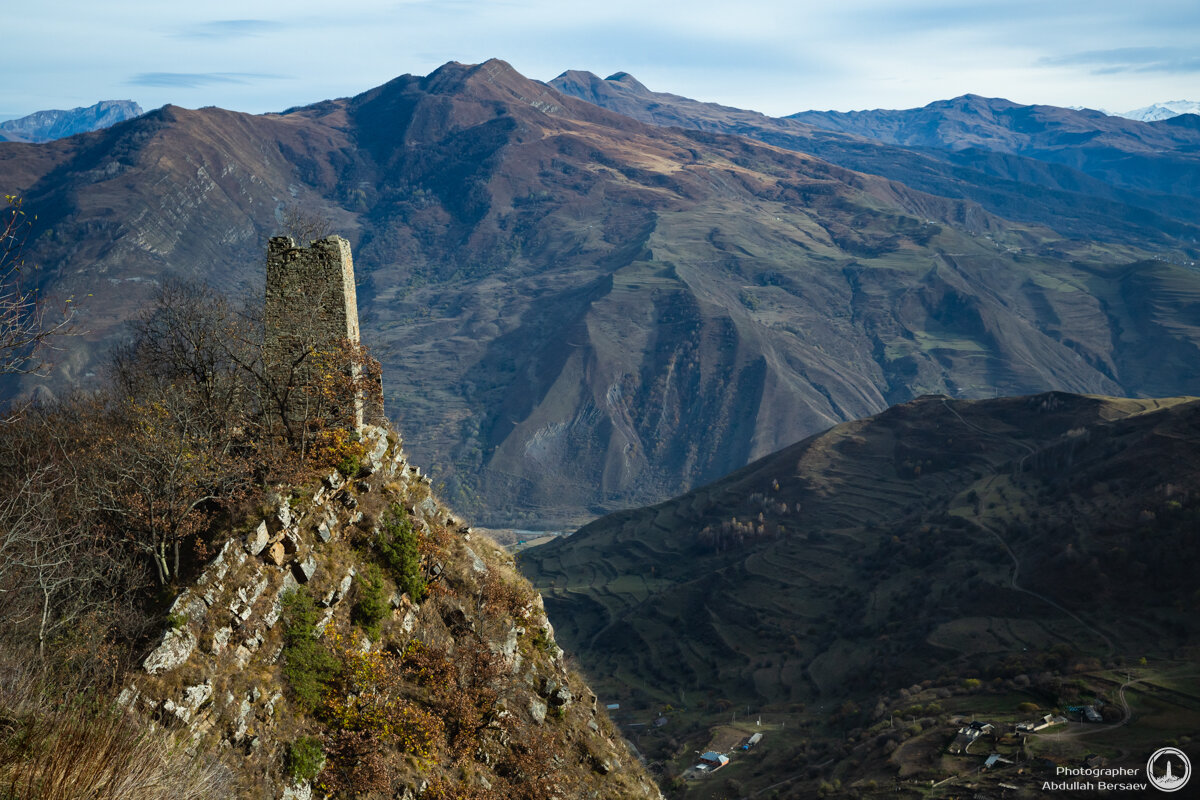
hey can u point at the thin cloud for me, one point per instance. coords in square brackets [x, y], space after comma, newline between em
[1129, 59]
[231, 29]
[632, 49]
[194, 80]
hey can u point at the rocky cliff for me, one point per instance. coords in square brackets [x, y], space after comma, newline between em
[459, 692]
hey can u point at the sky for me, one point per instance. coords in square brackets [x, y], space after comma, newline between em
[778, 57]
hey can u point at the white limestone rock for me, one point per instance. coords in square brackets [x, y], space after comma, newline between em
[478, 566]
[319, 629]
[243, 603]
[379, 446]
[220, 639]
[304, 570]
[189, 605]
[297, 791]
[339, 592]
[196, 696]
[258, 539]
[177, 645]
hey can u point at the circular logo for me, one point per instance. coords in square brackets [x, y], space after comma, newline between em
[1168, 769]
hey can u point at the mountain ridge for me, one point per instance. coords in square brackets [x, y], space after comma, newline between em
[1014, 186]
[1160, 111]
[551, 285]
[44, 126]
[1127, 153]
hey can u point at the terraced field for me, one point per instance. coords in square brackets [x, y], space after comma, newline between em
[940, 541]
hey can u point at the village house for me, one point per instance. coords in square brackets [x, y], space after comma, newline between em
[1044, 722]
[968, 734]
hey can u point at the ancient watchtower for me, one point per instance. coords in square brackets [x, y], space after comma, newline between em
[310, 308]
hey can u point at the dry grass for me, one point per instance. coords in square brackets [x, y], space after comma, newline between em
[84, 748]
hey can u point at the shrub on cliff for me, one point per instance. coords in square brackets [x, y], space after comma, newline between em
[398, 545]
[372, 604]
[307, 663]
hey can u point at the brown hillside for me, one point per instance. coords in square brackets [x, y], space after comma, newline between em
[579, 311]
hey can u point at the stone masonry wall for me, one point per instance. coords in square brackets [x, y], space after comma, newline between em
[311, 305]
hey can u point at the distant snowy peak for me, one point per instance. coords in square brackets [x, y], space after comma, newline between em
[1163, 110]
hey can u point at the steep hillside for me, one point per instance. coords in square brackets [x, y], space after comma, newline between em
[309, 665]
[580, 311]
[882, 563]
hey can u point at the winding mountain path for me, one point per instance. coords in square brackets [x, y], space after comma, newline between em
[1108, 642]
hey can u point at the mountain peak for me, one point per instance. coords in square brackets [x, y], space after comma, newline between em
[627, 80]
[1161, 111]
[974, 101]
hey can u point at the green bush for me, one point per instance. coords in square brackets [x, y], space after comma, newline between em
[305, 758]
[308, 665]
[372, 604]
[350, 466]
[397, 544]
[541, 640]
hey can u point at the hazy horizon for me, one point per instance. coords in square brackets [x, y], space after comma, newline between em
[773, 57]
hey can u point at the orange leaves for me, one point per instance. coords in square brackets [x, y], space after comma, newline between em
[463, 689]
[508, 598]
[368, 696]
[336, 448]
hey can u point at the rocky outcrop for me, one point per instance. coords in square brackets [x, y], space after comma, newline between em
[217, 675]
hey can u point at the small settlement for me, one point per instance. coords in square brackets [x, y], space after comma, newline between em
[712, 760]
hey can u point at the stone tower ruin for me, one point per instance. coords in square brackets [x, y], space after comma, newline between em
[311, 307]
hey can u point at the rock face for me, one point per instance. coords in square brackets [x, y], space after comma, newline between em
[258, 539]
[176, 647]
[221, 677]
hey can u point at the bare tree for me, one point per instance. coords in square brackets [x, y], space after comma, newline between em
[40, 560]
[304, 224]
[160, 470]
[25, 322]
[56, 565]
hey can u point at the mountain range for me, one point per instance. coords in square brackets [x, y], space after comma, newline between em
[1086, 174]
[580, 311]
[45, 126]
[588, 296]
